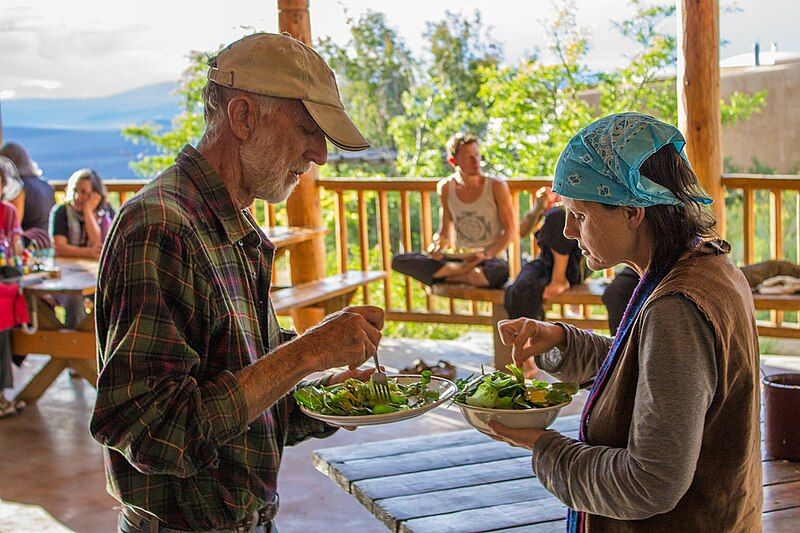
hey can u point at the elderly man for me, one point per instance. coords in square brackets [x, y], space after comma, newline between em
[193, 399]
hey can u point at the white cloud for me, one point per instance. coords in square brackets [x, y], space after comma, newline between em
[42, 84]
[7, 94]
[96, 47]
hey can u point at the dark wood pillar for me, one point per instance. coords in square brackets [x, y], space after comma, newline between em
[698, 95]
[307, 260]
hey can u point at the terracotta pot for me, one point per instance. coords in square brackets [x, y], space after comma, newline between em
[782, 416]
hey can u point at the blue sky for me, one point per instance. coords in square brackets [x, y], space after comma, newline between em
[87, 48]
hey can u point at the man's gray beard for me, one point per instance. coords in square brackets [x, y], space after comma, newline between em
[270, 187]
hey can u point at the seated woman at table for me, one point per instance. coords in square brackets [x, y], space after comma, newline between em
[669, 436]
[79, 226]
[78, 229]
[10, 230]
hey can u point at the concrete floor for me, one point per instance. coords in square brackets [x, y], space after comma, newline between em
[50, 461]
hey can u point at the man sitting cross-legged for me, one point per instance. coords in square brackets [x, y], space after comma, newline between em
[477, 209]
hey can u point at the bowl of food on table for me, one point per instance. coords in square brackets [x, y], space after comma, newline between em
[511, 400]
[359, 403]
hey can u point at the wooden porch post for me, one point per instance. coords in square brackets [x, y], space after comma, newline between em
[698, 96]
[307, 260]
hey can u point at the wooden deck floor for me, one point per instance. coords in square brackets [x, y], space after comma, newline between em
[49, 459]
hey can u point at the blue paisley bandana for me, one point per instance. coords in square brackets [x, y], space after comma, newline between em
[601, 163]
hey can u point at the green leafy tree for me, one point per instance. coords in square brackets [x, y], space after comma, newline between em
[537, 107]
[374, 68]
[445, 98]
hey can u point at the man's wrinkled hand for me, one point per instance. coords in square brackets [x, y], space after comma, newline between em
[347, 337]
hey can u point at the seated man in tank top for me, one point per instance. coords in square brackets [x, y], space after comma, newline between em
[476, 215]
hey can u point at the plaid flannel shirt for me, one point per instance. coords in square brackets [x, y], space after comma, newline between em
[182, 304]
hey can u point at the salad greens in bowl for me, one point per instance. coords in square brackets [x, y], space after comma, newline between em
[511, 399]
[356, 403]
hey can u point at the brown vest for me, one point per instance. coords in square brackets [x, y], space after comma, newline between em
[726, 492]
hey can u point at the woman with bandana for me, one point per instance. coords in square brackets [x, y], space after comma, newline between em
[669, 436]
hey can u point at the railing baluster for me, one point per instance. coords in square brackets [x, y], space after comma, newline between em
[342, 254]
[749, 223]
[515, 261]
[270, 215]
[797, 227]
[405, 225]
[363, 241]
[427, 231]
[776, 223]
[386, 249]
[532, 236]
[776, 238]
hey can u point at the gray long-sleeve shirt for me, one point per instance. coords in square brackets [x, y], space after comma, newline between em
[676, 384]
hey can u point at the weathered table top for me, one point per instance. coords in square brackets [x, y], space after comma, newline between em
[464, 481]
[76, 276]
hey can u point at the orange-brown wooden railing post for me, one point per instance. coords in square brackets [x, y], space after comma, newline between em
[307, 260]
[698, 95]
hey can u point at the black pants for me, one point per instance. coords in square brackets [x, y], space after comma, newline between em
[422, 267]
[618, 294]
[524, 295]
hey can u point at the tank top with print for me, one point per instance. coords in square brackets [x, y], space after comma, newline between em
[477, 223]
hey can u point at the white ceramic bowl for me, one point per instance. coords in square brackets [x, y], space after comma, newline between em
[445, 387]
[540, 417]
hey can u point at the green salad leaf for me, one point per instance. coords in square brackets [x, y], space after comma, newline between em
[355, 397]
[501, 390]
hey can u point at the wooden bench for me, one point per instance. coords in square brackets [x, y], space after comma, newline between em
[778, 303]
[577, 295]
[329, 294]
[584, 295]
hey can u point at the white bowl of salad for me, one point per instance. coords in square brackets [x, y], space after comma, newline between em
[355, 402]
[510, 399]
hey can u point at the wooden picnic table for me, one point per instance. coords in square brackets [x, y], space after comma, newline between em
[463, 481]
[67, 348]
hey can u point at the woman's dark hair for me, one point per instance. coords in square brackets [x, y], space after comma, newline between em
[675, 228]
[97, 186]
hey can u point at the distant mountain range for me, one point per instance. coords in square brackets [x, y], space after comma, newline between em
[64, 135]
[149, 103]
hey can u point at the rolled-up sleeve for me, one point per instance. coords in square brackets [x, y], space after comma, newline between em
[676, 384]
[149, 405]
[300, 426]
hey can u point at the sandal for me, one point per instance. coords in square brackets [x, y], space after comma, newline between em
[442, 369]
[10, 408]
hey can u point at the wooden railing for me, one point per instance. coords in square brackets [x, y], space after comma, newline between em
[763, 217]
[371, 219]
[403, 213]
[119, 190]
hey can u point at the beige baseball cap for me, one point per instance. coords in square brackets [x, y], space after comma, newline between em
[279, 65]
